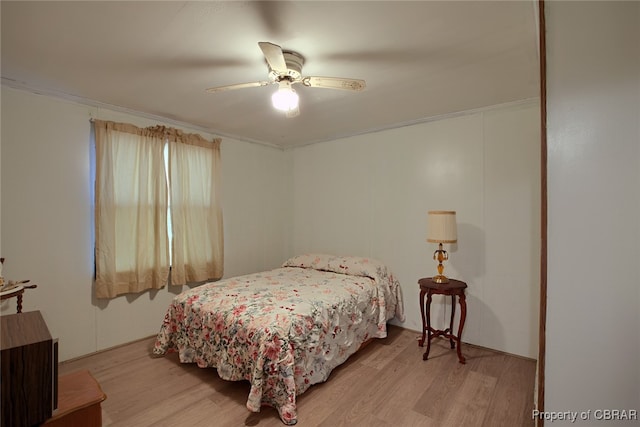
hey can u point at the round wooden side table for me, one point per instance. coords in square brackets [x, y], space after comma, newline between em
[453, 288]
[16, 292]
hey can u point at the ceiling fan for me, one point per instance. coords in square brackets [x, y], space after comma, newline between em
[285, 70]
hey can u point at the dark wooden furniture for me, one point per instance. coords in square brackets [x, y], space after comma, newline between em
[29, 370]
[453, 288]
[79, 399]
[18, 294]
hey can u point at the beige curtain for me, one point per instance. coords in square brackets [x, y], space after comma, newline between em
[132, 245]
[196, 212]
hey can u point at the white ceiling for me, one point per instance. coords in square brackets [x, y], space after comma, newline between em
[420, 59]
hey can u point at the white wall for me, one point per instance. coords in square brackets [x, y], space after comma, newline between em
[593, 327]
[369, 195]
[47, 215]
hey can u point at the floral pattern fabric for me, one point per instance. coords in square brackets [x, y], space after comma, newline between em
[282, 330]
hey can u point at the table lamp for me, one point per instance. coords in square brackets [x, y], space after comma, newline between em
[441, 228]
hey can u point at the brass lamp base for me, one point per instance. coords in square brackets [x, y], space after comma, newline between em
[440, 255]
[440, 279]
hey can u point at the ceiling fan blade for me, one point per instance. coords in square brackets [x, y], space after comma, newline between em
[237, 86]
[334, 83]
[273, 55]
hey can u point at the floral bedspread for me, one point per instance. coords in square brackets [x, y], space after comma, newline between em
[285, 329]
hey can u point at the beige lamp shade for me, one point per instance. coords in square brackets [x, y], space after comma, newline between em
[441, 227]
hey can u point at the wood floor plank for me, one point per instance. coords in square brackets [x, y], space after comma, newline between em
[158, 412]
[400, 397]
[410, 418]
[319, 403]
[395, 343]
[449, 375]
[512, 402]
[471, 402]
[485, 361]
[385, 384]
[361, 402]
[409, 377]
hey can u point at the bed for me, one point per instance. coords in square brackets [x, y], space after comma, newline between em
[284, 329]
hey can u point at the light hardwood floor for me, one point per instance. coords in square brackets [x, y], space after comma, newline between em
[385, 384]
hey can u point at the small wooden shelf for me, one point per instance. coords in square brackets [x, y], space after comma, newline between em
[79, 398]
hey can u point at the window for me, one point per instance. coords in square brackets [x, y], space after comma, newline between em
[138, 171]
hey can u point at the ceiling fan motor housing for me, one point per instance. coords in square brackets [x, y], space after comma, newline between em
[294, 62]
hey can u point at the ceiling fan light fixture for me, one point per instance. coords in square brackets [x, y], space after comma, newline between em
[285, 98]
